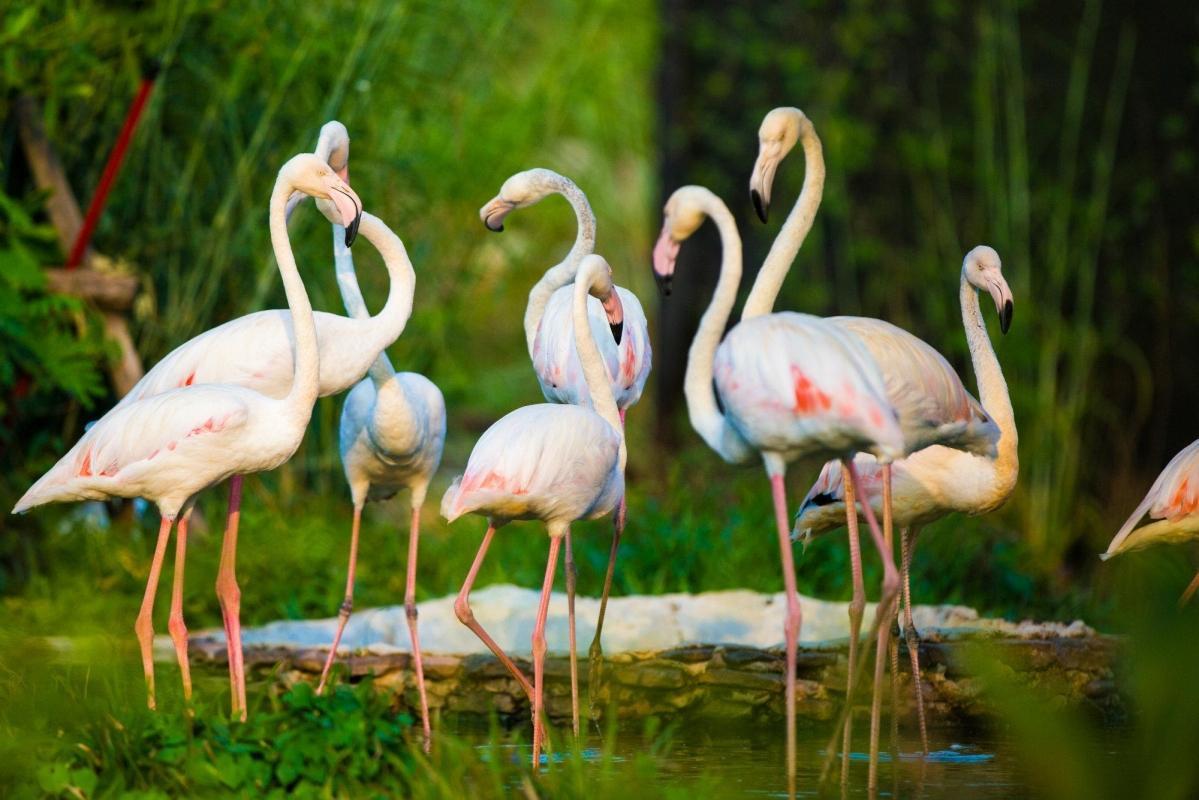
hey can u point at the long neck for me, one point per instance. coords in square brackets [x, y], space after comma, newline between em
[389, 324]
[791, 236]
[702, 407]
[594, 371]
[306, 382]
[561, 274]
[992, 388]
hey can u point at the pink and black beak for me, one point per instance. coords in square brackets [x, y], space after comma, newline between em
[666, 252]
[494, 212]
[1002, 295]
[614, 310]
[350, 208]
[761, 182]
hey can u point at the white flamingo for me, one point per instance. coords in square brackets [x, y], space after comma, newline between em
[255, 351]
[791, 387]
[554, 463]
[1173, 504]
[391, 436]
[172, 445]
[549, 334]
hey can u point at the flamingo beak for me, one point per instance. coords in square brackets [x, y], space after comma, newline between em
[1002, 295]
[494, 212]
[761, 181]
[666, 252]
[349, 207]
[615, 313]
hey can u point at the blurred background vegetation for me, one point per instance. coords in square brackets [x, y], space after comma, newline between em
[1062, 134]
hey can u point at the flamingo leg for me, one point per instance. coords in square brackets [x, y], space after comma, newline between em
[176, 625]
[411, 614]
[229, 595]
[893, 644]
[347, 604]
[539, 646]
[907, 544]
[144, 626]
[1189, 592]
[466, 616]
[884, 614]
[856, 608]
[890, 593]
[571, 578]
[793, 620]
[595, 663]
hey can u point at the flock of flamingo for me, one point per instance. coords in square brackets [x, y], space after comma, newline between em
[901, 436]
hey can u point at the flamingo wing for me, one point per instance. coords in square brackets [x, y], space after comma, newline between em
[159, 433]
[933, 404]
[1173, 496]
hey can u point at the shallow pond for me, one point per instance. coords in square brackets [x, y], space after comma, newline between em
[737, 759]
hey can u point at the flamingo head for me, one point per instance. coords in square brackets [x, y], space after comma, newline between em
[595, 273]
[778, 133]
[681, 217]
[333, 147]
[309, 174]
[521, 190]
[983, 269]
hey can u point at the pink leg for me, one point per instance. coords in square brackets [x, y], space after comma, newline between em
[539, 647]
[410, 613]
[907, 545]
[1189, 592]
[176, 625]
[571, 576]
[856, 608]
[793, 620]
[885, 612]
[890, 592]
[144, 627]
[596, 654]
[230, 598]
[347, 604]
[467, 617]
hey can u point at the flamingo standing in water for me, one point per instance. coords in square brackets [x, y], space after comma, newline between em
[554, 463]
[1173, 501]
[962, 453]
[172, 445]
[255, 351]
[549, 334]
[791, 386]
[391, 436]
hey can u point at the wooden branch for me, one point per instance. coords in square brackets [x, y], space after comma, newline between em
[108, 291]
[61, 205]
[128, 371]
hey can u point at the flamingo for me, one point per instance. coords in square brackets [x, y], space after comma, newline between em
[1173, 501]
[391, 436]
[550, 339]
[255, 351]
[962, 453]
[554, 463]
[791, 386]
[172, 445]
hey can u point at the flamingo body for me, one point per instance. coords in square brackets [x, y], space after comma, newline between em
[1173, 504]
[556, 360]
[794, 385]
[557, 463]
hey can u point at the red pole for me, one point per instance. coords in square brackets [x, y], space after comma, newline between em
[111, 169]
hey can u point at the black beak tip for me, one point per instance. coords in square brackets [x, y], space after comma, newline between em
[663, 282]
[617, 330]
[1005, 319]
[352, 231]
[487, 224]
[759, 206]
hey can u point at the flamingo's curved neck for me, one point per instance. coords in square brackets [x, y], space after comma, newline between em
[387, 326]
[702, 407]
[791, 236]
[596, 375]
[306, 383]
[563, 273]
[992, 388]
